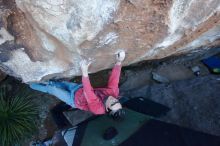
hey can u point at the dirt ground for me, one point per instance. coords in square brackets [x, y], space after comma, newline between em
[194, 103]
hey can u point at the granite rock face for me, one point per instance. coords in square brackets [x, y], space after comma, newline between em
[43, 39]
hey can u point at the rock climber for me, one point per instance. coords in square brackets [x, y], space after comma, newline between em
[83, 96]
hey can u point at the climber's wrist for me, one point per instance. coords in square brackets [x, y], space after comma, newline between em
[118, 63]
[85, 73]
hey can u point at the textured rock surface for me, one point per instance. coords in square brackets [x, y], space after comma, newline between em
[194, 103]
[42, 39]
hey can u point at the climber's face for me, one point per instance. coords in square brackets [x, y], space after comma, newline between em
[112, 104]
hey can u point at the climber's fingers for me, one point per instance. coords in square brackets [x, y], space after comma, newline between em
[120, 56]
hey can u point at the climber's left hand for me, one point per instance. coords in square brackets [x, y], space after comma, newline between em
[84, 64]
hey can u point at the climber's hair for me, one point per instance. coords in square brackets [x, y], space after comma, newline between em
[118, 115]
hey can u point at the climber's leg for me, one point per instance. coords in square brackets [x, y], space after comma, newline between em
[60, 93]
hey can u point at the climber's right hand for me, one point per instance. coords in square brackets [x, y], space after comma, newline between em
[120, 57]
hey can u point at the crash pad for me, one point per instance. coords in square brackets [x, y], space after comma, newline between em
[213, 63]
[146, 106]
[95, 129]
[158, 133]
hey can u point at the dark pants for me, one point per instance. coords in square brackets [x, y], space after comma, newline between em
[58, 116]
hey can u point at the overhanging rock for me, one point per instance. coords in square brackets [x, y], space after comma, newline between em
[43, 39]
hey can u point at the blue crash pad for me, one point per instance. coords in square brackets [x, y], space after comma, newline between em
[213, 63]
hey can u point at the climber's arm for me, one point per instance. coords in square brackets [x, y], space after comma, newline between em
[94, 103]
[114, 77]
[115, 74]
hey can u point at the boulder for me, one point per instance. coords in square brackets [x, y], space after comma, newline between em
[44, 39]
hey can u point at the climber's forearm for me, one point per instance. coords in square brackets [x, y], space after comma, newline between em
[118, 63]
[84, 67]
[85, 73]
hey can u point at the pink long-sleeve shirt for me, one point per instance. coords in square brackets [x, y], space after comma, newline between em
[90, 99]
